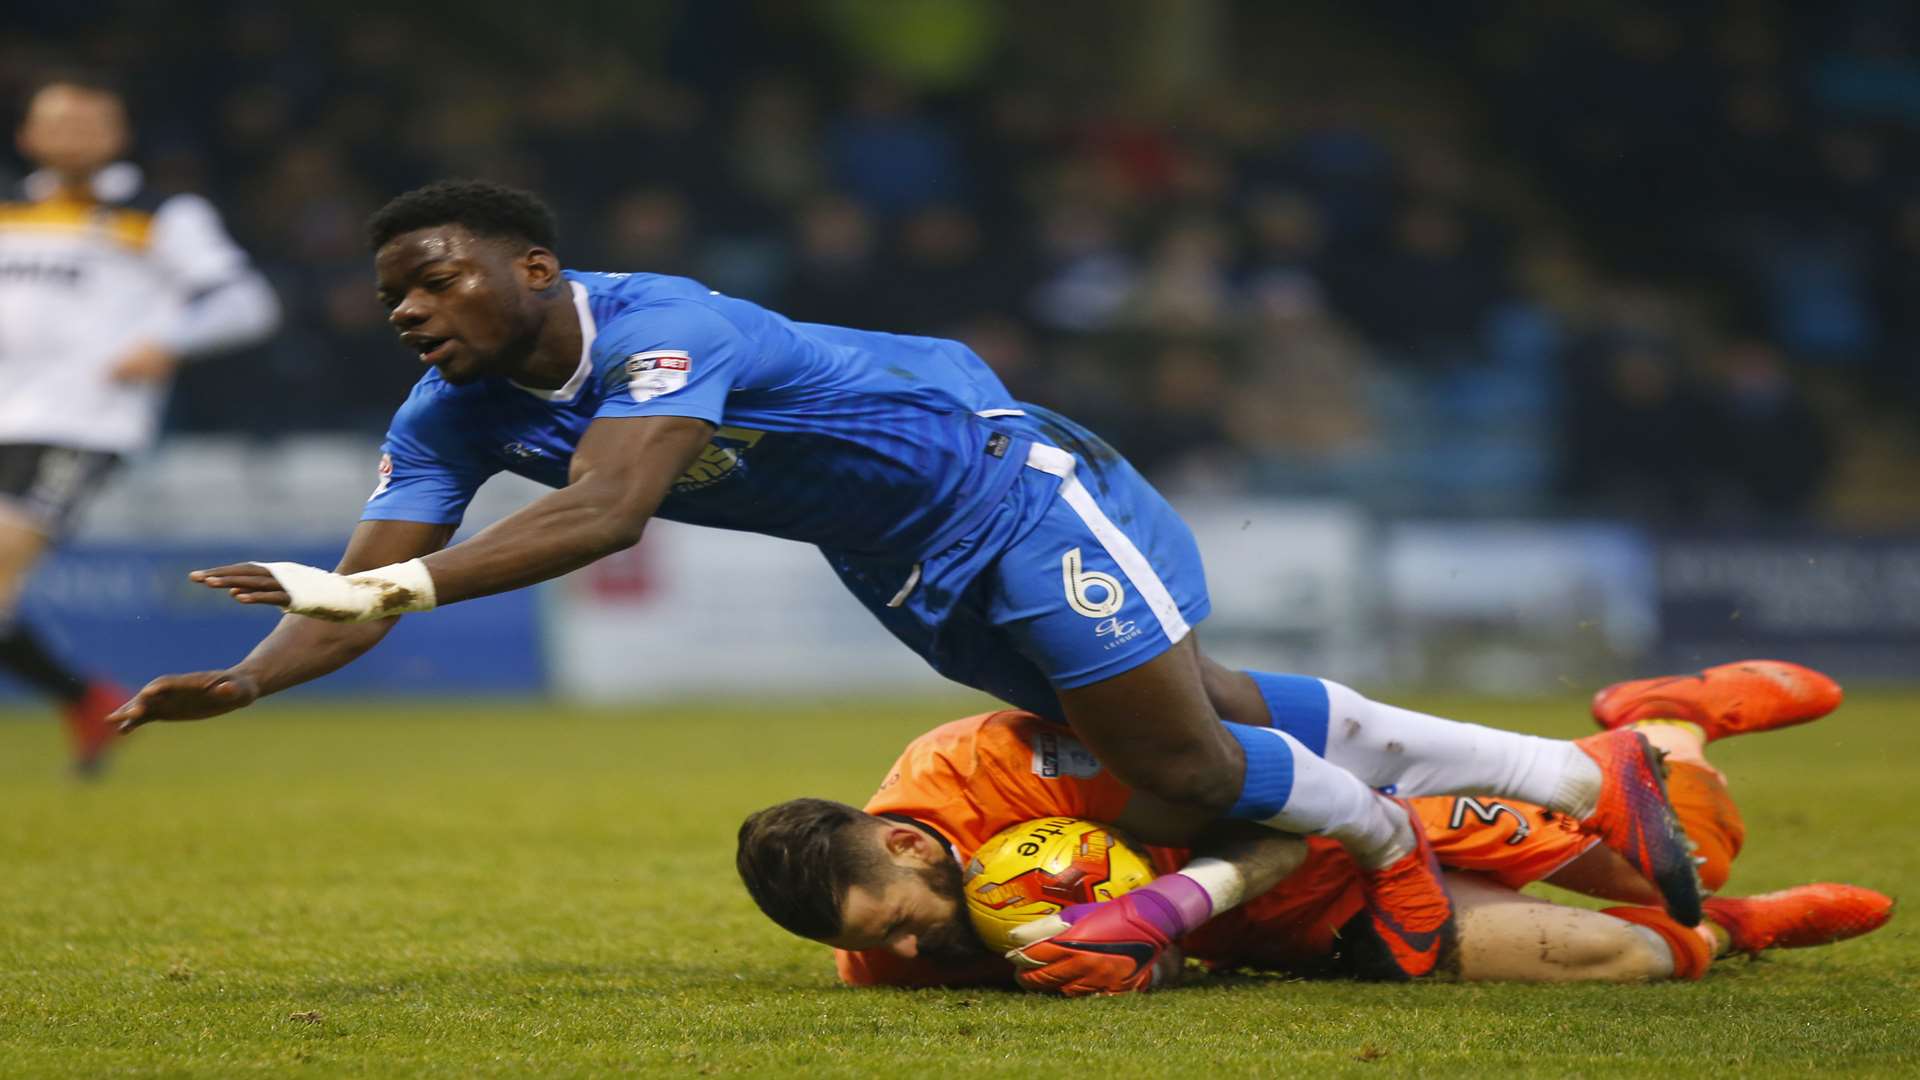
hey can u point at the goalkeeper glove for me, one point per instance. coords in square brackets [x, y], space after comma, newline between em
[1114, 947]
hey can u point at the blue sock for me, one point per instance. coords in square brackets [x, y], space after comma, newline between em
[1297, 705]
[1293, 790]
[1269, 779]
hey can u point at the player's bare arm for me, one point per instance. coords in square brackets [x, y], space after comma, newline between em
[298, 649]
[1261, 857]
[624, 467]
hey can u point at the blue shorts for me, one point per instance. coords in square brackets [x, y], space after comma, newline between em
[1083, 572]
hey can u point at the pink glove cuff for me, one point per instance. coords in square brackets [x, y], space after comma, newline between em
[1180, 904]
[1173, 904]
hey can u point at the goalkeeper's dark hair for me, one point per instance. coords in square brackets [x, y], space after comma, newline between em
[798, 860]
[483, 207]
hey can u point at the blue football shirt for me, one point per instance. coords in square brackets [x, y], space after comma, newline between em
[852, 440]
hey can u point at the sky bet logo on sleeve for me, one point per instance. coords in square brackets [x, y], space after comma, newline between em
[662, 371]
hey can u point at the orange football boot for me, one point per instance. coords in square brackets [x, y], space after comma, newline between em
[1410, 909]
[1818, 914]
[88, 733]
[1732, 699]
[1636, 819]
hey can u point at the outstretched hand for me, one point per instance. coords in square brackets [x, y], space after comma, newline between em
[249, 583]
[193, 696]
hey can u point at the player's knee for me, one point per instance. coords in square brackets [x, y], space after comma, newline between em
[1613, 952]
[1200, 777]
[1233, 694]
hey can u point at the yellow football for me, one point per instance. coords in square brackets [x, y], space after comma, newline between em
[1037, 867]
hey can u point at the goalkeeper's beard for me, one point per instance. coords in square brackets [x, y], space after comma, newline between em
[954, 941]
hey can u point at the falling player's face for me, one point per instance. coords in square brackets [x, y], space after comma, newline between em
[464, 303]
[913, 910]
[73, 130]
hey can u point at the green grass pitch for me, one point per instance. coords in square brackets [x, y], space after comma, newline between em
[485, 889]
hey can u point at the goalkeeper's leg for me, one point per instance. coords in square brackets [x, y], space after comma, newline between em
[1509, 936]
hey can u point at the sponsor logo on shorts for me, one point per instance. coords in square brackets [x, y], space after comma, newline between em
[1120, 630]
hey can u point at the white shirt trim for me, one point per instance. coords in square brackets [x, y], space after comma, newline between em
[1120, 547]
[579, 378]
[907, 589]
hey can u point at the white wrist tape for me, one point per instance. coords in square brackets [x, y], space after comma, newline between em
[1226, 886]
[380, 593]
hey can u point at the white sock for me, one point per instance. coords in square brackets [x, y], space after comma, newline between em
[1413, 754]
[1327, 800]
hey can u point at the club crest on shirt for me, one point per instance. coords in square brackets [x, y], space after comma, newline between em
[721, 458]
[648, 375]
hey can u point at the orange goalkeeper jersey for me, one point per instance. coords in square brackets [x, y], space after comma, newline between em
[971, 778]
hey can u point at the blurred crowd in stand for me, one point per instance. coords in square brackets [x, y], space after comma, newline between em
[1582, 258]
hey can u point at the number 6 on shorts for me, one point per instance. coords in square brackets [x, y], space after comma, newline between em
[1079, 582]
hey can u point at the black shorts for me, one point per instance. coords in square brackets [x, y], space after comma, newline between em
[41, 486]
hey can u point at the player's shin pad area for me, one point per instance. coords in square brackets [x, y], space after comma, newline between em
[487, 890]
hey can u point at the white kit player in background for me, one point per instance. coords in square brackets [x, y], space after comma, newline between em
[104, 289]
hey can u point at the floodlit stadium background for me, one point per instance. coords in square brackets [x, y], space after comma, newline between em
[1510, 352]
